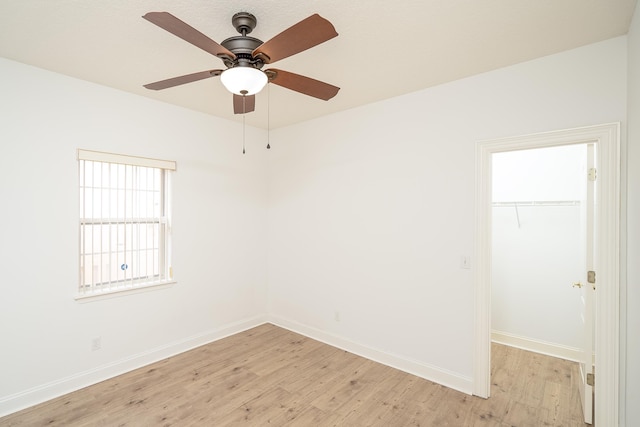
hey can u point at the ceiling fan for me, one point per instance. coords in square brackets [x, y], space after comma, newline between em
[245, 56]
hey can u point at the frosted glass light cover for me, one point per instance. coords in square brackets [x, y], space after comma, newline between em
[240, 79]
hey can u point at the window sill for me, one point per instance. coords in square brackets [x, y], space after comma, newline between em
[96, 296]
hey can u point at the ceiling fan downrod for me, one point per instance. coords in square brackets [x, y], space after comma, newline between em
[244, 22]
[243, 46]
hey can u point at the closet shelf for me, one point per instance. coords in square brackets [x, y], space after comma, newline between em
[537, 203]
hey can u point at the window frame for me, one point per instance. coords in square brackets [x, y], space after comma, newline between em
[126, 226]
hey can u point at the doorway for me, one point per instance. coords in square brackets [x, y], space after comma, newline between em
[538, 233]
[606, 140]
[541, 227]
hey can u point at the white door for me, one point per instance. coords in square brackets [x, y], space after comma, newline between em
[586, 289]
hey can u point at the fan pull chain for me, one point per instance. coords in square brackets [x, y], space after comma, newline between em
[244, 126]
[268, 117]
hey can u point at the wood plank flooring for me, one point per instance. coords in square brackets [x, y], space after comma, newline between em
[268, 376]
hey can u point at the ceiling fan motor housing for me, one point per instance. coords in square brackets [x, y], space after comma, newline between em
[243, 46]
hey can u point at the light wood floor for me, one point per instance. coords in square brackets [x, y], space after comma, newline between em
[269, 376]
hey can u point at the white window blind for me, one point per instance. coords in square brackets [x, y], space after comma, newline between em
[124, 222]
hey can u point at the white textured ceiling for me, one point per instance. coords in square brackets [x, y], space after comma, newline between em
[384, 48]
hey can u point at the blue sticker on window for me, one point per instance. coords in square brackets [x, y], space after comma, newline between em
[124, 267]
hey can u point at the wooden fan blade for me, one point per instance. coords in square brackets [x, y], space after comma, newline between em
[243, 104]
[302, 84]
[186, 32]
[305, 34]
[177, 81]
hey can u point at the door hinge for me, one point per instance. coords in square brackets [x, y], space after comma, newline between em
[592, 174]
[591, 379]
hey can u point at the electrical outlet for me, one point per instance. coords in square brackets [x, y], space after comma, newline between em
[96, 344]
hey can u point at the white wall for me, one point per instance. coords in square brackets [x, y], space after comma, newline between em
[631, 304]
[218, 229]
[536, 250]
[371, 209]
[543, 174]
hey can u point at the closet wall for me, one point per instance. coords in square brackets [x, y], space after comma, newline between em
[537, 247]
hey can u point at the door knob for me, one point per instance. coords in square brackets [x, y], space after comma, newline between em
[577, 285]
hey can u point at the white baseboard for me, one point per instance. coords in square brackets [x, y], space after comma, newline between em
[21, 400]
[423, 370]
[537, 346]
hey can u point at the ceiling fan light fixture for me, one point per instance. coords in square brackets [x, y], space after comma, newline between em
[243, 80]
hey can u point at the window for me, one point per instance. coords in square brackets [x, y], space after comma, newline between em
[124, 222]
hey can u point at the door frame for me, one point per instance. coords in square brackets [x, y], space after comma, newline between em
[606, 137]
